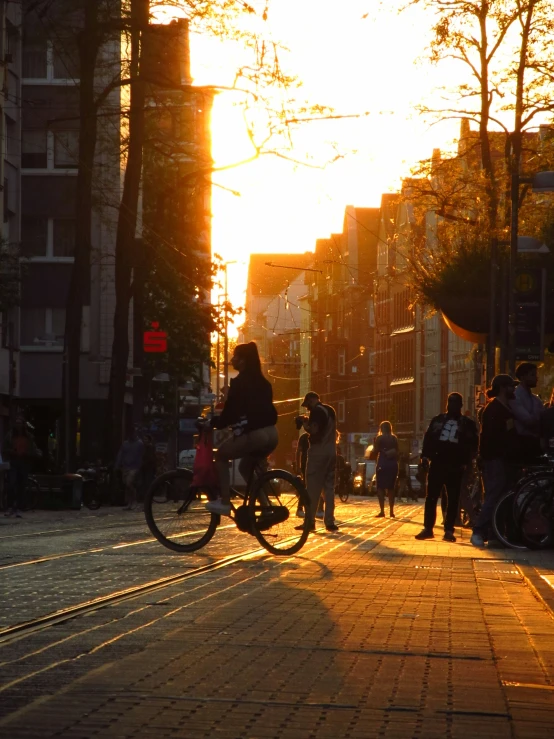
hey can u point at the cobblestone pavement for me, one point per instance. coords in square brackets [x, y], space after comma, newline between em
[367, 633]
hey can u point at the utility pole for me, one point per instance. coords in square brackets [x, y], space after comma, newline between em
[226, 340]
[11, 373]
[226, 334]
[514, 226]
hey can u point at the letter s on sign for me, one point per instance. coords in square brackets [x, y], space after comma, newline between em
[155, 342]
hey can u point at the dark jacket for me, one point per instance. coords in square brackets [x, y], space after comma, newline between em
[249, 405]
[499, 439]
[452, 446]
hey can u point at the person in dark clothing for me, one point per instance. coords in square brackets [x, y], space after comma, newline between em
[301, 460]
[498, 445]
[19, 449]
[250, 413]
[449, 445]
[385, 452]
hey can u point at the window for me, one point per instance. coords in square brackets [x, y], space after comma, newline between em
[66, 149]
[49, 238]
[341, 361]
[34, 149]
[34, 236]
[341, 411]
[63, 237]
[50, 60]
[65, 58]
[35, 57]
[12, 138]
[42, 327]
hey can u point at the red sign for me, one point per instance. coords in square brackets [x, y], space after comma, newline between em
[155, 341]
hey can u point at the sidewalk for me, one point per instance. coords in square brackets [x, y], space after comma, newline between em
[366, 634]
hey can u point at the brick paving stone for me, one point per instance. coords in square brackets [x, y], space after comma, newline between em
[368, 633]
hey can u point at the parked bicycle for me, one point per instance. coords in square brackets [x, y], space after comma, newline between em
[524, 517]
[176, 514]
[96, 485]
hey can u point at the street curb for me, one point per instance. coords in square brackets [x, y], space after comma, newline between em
[541, 589]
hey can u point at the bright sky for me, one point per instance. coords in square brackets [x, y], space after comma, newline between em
[345, 61]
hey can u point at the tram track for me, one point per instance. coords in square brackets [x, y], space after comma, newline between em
[26, 628]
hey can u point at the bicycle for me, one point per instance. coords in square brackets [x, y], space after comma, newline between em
[342, 489]
[96, 486]
[176, 515]
[524, 516]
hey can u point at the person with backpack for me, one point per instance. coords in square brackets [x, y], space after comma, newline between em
[321, 426]
[449, 445]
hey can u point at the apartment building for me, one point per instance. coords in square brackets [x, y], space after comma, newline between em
[343, 324]
[10, 205]
[49, 138]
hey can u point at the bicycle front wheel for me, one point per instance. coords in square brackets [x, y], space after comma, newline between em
[176, 515]
[274, 500]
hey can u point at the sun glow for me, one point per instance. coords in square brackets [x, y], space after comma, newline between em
[357, 57]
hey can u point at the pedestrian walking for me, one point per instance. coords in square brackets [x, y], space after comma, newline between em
[129, 461]
[300, 464]
[527, 409]
[19, 449]
[385, 452]
[449, 445]
[321, 426]
[498, 445]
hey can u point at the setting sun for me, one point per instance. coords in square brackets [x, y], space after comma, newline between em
[357, 62]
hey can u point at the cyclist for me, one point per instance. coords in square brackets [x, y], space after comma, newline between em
[250, 413]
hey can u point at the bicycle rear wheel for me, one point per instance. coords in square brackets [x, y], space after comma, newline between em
[91, 495]
[343, 493]
[536, 517]
[176, 515]
[32, 494]
[505, 526]
[272, 504]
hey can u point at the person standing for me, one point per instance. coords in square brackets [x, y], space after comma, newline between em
[498, 445]
[129, 461]
[321, 426]
[385, 452]
[300, 464]
[527, 409]
[449, 445]
[19, 449]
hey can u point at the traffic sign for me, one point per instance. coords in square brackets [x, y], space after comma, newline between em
[155, 341]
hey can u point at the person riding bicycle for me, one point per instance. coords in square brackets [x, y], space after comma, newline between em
[250, 413]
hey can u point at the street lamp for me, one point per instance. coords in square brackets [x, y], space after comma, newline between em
[540, 182]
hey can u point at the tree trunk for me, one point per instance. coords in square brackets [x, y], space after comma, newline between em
[126, 228]
[80, 274]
